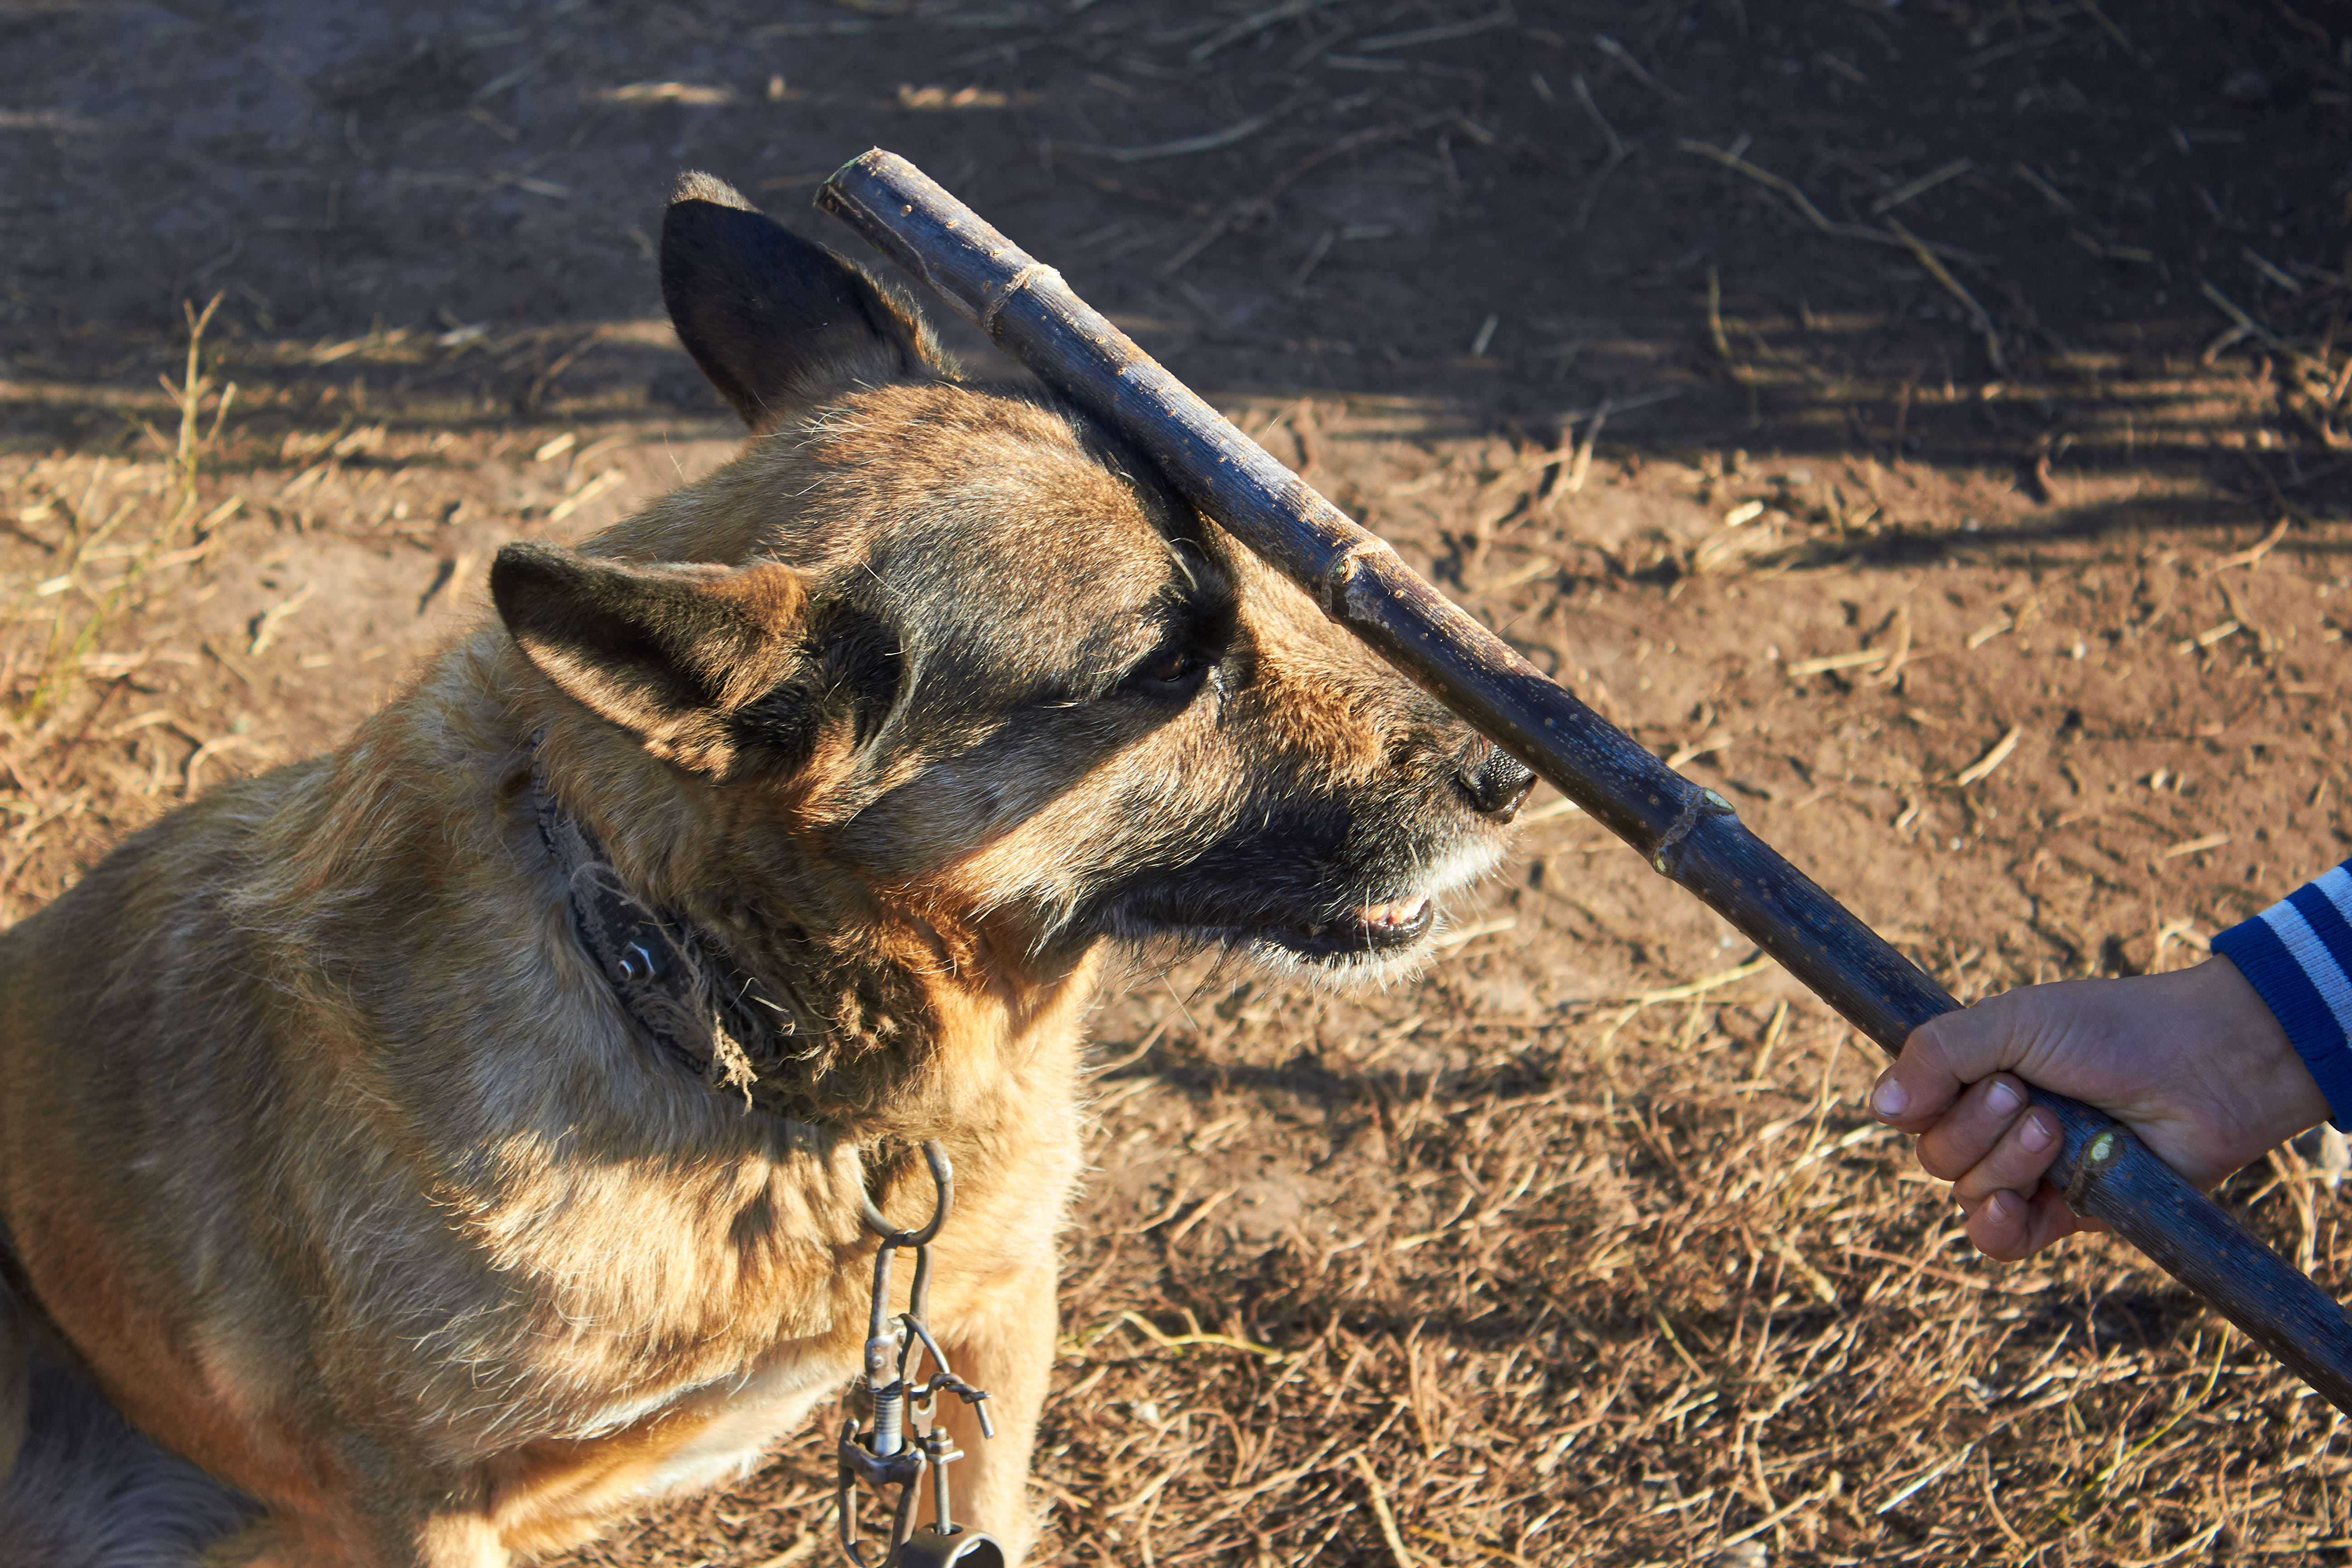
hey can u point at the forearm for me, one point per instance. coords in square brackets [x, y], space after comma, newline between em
[2297, 955]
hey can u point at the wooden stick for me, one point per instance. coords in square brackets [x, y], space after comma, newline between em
[1687, 834]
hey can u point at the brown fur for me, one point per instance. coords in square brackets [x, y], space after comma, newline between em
[331, 1154]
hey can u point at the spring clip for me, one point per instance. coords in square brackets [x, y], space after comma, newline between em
[907, 1440]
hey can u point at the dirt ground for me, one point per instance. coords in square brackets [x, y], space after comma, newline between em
[1920, 421]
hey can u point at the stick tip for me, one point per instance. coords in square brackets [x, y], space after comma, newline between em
[829, 194]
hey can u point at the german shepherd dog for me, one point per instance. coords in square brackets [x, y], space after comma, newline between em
[424, 1153]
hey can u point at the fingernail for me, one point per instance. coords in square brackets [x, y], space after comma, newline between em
[1889, 1099]
[2003, 1206]
[2035, 1135]
[2003, 1097]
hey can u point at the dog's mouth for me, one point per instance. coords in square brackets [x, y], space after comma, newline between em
[1309, 928]
[1369, 931]
[1369, 928]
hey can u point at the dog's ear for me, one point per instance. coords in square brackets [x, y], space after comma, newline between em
[773, 320]
[670, 653]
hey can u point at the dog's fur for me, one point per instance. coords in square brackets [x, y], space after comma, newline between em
[327, 1156]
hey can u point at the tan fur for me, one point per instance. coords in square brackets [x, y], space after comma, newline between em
[487, 1238]
[334, 1157]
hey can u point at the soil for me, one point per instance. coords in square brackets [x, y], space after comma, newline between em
[1922, 422]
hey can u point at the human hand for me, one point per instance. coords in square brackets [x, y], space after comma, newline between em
[2192, 1062]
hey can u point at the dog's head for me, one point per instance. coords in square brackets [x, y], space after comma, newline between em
[948, 654]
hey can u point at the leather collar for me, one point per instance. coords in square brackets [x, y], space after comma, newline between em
[674, 979]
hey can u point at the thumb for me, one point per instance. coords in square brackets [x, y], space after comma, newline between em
[1947, 1054]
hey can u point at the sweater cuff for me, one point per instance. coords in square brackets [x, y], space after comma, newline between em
[2297, 955]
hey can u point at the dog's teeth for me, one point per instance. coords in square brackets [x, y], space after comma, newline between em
[1402, 911]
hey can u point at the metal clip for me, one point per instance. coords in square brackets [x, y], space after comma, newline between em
[902, 1446]
[927, 1548]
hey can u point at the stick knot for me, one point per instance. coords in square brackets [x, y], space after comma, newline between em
[1028, 274]
[1336, 577]
[1700, 804]
[2098, 1158]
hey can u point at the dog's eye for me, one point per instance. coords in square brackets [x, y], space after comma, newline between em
[1173, 666]
[1168, 668]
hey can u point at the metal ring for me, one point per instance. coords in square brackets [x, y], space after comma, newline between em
[942, 1178]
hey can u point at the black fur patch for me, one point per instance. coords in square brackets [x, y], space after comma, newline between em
[767, 314]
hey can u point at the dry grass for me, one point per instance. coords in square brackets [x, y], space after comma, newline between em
[107, 533]
[1603, 1301]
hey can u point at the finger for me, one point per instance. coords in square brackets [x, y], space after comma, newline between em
[1947, 1052]
[1972, 1128]
[2016, 1162]
[2011, 1227]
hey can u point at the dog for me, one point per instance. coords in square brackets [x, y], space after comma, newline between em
[452, 1143]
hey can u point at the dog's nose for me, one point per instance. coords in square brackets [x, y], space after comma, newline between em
[1496, 782]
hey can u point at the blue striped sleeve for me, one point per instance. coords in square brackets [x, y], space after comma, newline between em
[2298, 954]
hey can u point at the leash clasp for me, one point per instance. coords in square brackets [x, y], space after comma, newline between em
[905, 1442]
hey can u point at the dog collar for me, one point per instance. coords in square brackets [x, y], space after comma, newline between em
[674, 980]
